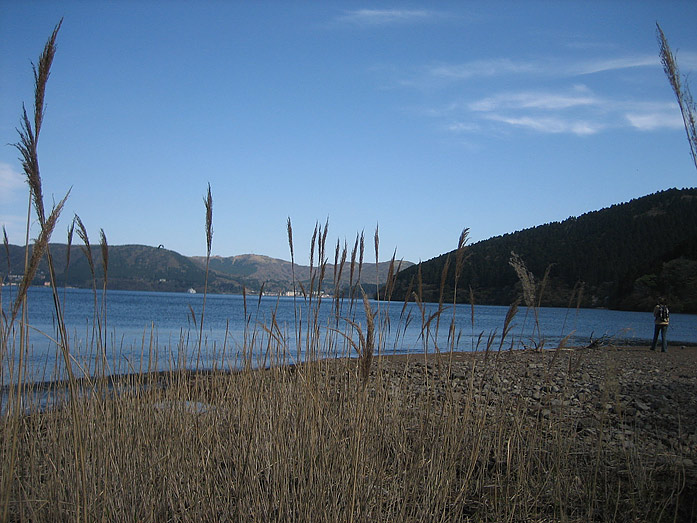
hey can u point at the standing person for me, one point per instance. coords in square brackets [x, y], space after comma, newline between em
[661, 316]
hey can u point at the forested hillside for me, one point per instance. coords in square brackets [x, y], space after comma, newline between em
[624, 257]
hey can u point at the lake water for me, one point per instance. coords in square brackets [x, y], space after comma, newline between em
[157, 331]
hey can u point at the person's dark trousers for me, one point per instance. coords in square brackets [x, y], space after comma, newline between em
[663, 329]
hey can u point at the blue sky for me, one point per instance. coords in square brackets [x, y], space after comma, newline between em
[421, 119]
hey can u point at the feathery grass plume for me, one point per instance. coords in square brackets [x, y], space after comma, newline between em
[688, 109]
[289, 228]
[391, 275]
[323, 241]
[352, 267]
[386, 325]
[71, 231]
[338, 275]
[342, 263]
[28, 134]
[322, 262]
[6, 243]
[369, 343]
[38, 251]
[336, 260]
[86, 248]
[361, 252]
[441, 295]
[530, 290]
[192, 314]
[27, 148]
[377, 242]
[208, 202]
[543, 284]
[527, 280]
[3, 318]
[508, 322]
[313, 241]
[460, 256]
[104, 247]
[419, 282]
[319, 240]
[356, 266]
[68, 250]
[41, 75]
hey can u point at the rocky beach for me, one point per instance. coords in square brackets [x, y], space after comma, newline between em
[633, 403]
[628, 395]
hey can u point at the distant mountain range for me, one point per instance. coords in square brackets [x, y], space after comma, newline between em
[277, 275]
[140, 267]
[623, 257]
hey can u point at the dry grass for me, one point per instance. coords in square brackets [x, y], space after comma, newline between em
[681, 89]
[326, 440]
[320, 442]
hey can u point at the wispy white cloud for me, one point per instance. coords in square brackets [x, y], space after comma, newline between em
[481, 68]
[542, 67]
[613, 64]
[576, 110]
[655, 120]
[546, 101]
[460, 127]
[546, 111]
[550, 124]
[579, 96]
[10, 182]
[381, 17]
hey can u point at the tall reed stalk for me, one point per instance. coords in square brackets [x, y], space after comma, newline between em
[27, 146]
[208, 204]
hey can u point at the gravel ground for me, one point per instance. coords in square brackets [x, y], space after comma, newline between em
[634, 395]
[630, 398]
